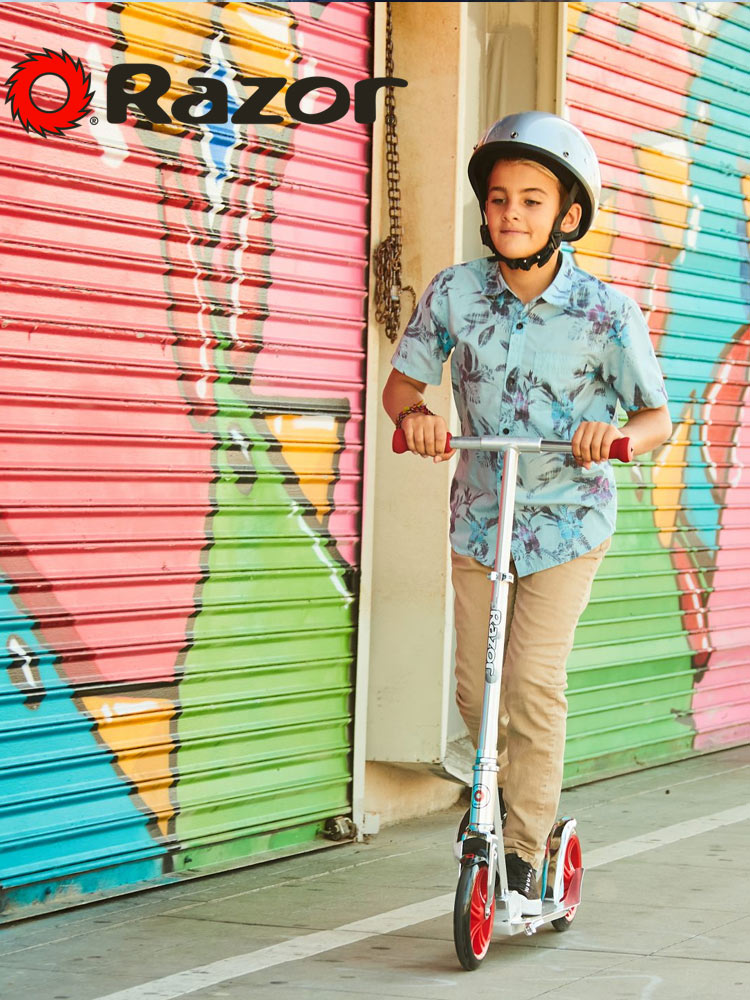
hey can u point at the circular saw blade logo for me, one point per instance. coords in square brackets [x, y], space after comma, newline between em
[21, 83]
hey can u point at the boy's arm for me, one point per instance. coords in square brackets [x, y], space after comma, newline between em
[424, 435]
[647, 428]
[401, 391]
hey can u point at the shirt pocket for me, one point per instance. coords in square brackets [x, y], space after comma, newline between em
[559, 369]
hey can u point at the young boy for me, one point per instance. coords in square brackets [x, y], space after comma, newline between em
[538, 348]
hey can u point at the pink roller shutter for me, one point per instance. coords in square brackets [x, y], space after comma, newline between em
[182, 385]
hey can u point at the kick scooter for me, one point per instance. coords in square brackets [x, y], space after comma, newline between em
[482, 894]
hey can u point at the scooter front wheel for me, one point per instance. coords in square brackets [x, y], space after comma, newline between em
[472, 929]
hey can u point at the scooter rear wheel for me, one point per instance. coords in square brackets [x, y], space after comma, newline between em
[571, 861]
[472, 930]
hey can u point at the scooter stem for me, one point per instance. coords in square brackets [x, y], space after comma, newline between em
[485, 768]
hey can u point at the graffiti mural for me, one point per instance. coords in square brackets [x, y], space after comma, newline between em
[182, 507]
[662, 91]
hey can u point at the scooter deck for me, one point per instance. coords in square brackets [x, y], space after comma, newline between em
[509, 919]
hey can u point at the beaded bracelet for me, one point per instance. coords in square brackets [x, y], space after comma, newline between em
[414, 408]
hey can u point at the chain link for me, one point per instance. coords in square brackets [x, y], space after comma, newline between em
[387, 256]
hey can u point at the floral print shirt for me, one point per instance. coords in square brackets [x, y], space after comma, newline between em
[533, 370]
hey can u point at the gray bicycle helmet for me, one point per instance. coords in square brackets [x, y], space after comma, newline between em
[557, 145]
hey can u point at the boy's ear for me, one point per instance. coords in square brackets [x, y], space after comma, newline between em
[572, 219]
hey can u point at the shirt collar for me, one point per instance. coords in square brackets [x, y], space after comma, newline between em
[495, 284]
[558, 292]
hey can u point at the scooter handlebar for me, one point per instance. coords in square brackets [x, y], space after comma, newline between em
[621, 448]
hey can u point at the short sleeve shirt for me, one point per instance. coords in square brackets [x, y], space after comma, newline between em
[532, 370]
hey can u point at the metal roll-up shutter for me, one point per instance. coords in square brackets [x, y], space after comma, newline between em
[182, 387]
[661, 666]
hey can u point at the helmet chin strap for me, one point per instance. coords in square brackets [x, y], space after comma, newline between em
[541, 257]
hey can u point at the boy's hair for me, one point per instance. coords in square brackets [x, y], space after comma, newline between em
[561, 189]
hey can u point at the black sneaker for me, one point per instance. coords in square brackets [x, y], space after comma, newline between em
[522, 879]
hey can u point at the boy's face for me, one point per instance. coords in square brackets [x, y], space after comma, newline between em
[522, 205]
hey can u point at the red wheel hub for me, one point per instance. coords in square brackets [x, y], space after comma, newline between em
[480, 926]
[571, 861]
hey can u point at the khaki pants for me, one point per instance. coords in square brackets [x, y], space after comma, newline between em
[543, 611]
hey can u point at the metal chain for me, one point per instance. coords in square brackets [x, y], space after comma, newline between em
[387, 257]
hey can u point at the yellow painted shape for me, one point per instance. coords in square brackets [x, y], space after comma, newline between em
[309, 446]
[260, 44]
[595, 251]
[665, 178]
[155, 35]
[577, 14]
[667, 475]
[138, 732]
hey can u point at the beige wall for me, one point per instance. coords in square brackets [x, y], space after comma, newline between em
[410, 563]
[524, 67]
[464, 64]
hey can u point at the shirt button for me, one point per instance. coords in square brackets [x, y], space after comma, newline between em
[505, 430]
[519, 326]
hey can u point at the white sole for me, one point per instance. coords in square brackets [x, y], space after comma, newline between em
[529, 907]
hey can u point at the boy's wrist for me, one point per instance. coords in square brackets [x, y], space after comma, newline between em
[419, 407]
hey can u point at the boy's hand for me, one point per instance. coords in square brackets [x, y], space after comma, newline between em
[426, 436]
[592, 440]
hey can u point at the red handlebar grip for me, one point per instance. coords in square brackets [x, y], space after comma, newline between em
[399, 441]
[621, 449]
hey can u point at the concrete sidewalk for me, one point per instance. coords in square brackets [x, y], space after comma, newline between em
[670, 919]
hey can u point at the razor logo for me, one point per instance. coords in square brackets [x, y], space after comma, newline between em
[20, 96]
[490, 671]
[190, 109]
[252, 112]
